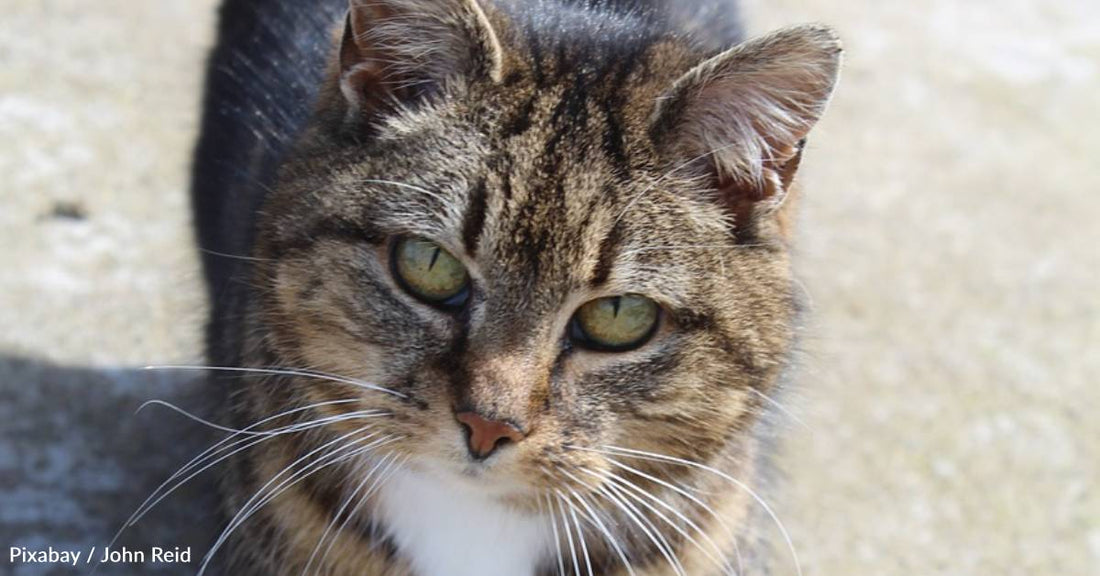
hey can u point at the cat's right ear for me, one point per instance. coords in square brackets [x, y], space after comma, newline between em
[397, 52]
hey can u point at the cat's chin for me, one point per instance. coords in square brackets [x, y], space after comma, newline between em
[480, 478]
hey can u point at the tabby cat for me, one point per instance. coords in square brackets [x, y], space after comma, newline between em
[500, 287]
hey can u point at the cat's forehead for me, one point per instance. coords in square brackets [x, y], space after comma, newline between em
[546, 221]
[550, 188]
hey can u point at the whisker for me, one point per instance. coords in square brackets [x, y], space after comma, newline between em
[655, 536]
[247, 444]
[691, 497]
[633, 490]
[691, 247]
[580, 537]
[407, 186]
[283, 372]
[149, 502]
[647, 527]
[198, 419]
[781, 408]
[329, 457]
[554, 528]
[809, 297]
[593, 518]
[353, 496]
[391, 469]
[569, 537]
[336, 517]
[614, 450]
[234, 256]
[278, 431]
[252, 506]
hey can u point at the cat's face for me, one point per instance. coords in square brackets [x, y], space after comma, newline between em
[537, 248]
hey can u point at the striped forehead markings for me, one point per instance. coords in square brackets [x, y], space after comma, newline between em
[473, 223]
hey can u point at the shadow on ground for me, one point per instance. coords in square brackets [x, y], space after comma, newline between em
[76, 460]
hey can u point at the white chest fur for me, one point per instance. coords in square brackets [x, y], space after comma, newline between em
[450, 529]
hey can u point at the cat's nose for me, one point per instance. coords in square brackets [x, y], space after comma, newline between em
[484, 436]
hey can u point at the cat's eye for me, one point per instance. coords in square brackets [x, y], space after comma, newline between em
[430, 273]
[616, 323]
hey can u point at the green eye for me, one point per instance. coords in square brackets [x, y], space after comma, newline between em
[430, 273]
[615, 324]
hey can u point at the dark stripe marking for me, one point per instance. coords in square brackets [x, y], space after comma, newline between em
[605, 261]
[474, 222]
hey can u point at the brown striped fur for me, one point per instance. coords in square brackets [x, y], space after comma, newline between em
[563, 154]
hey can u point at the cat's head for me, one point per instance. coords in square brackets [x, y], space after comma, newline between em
[552, 236]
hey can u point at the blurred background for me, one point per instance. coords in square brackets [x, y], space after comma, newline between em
[947, 418]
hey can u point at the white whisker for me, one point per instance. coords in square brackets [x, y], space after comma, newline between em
[557, 536]
[198, 419]
[580, 537]
[648, 529]
[278, 431]
[690, 247]
[152, 500]
[284, 372]
[336, 517]
[387, 461]
[238, 448]
[691, 497]
[330, 458]
[633, 490]
[130, 521]
[593, 517]
[614, 450]
[234, 256]
[420, 189]
[655, 534]
[392, 468]
[781, 408]
[258, 500]
[569, 537]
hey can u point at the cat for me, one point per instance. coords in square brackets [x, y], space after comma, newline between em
[500, 287]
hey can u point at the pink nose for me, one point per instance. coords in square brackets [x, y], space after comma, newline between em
[485, 436]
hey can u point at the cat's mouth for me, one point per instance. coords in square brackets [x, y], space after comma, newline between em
[478, 476]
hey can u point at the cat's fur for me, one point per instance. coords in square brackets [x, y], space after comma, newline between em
[563, 151]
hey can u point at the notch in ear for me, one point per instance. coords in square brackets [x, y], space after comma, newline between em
[395, 52]
[741, 118]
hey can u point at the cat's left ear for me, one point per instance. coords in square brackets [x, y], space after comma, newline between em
[741, 117]
[395, 52]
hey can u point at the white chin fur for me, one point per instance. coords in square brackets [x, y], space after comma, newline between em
[446, 527]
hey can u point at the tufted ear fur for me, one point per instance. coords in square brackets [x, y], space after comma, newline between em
[741, 117]
[395, 52]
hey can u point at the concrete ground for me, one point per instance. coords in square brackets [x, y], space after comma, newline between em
[949, 400]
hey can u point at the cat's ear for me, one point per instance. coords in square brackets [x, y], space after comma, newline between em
[394, 52]
[741, 117]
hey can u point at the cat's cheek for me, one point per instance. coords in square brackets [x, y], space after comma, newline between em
[433, 437]
[340, 314]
